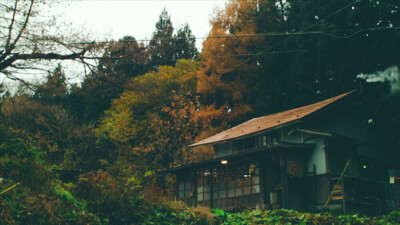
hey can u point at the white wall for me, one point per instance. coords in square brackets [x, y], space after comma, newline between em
[317, 156]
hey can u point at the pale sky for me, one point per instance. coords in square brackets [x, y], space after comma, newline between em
[114, 19]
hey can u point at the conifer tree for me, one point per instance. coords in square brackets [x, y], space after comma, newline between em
[161, 45]
[185, 44]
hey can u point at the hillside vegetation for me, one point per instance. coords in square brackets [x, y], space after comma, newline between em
[89, 153]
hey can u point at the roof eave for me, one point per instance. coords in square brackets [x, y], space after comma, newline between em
[248, 135]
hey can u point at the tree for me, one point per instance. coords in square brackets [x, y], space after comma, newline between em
[125, 56]
[165, 47]
[55, 89]
[161, 45]
[185, 44]
[121, 61]
[332, 42]
[310, 50]
[28, 39]
[155, 119]
[225, 67]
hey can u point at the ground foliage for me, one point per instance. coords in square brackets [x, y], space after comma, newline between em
[284, 216]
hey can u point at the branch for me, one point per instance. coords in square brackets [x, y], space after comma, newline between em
[9, 61]
[14, 78]
[29, 68]
[24, 26]
[86, 64]
[8, 7]
[10, 28]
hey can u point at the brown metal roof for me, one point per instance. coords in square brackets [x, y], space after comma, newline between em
[266, 122]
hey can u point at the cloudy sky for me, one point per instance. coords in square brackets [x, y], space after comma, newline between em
[114, 19]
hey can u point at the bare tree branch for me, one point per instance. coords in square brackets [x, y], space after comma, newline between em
[25, 24]
[11, 26]
[29, 68]
[16, 56]
[25, 83]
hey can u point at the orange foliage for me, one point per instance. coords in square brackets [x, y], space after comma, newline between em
[226, 63]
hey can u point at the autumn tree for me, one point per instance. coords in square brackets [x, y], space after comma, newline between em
[226, 68]
[122, 60]
[289, 54]
[156, 117]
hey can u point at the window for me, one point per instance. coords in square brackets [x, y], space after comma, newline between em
[184, 189]
[222, 149]
[274, 137]
[222, 190]
[224, 186]
[237, 146]
[250, 142]
[203, 189]
[231, 189]
[262, 140]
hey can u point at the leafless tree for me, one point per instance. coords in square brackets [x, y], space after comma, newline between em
[30, 39]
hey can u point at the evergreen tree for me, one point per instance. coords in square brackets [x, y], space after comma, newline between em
[161, 47]
[55, 89]
[333, 42]
[165, 48]
[185, 44]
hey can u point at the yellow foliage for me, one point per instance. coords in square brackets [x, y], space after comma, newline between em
[157, 116]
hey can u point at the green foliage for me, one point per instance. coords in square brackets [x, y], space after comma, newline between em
[285, 216]
[61, 192]
[24, 205]
[166, 48]
[185, 43]
[122, 60]
[23, 163]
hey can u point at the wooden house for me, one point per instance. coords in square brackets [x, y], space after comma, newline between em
[294, 159]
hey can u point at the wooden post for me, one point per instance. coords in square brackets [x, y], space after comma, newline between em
[343, 200]
[195, 185]
[261, 173]
[284, 182]
[397, 193]
[211, 192]
[314, 187]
